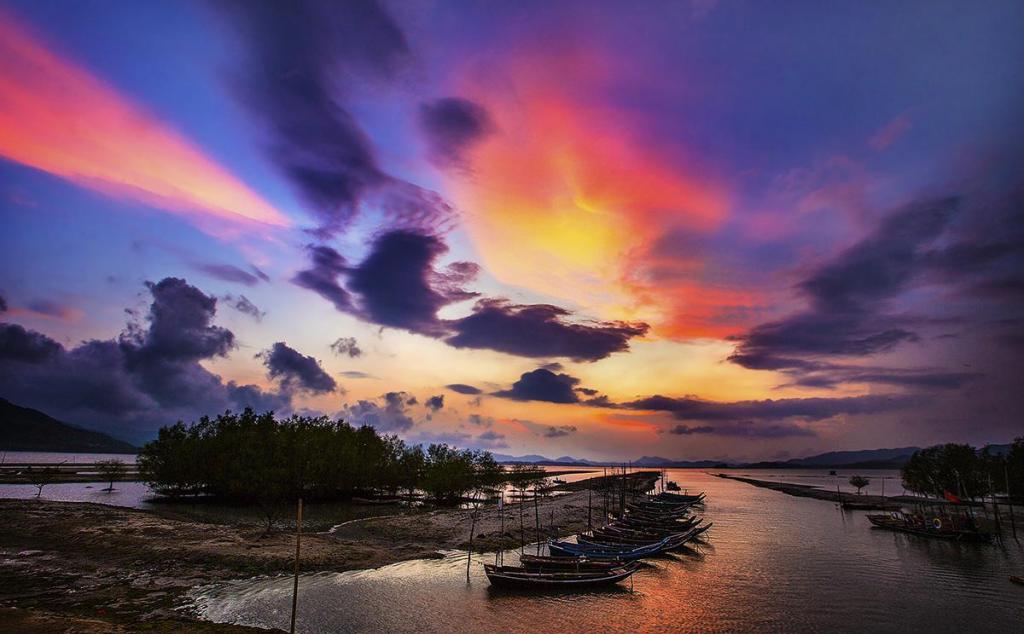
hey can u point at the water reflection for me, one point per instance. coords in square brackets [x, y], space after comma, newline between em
[772, 563]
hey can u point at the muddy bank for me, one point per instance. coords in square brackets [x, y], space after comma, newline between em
[95, 568]
[808, 491]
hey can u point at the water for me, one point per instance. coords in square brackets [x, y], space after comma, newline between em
[773, 563]
[53, 457]
[129, 494]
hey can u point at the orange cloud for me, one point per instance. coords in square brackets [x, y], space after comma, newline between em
[568, 188]
[57, 117]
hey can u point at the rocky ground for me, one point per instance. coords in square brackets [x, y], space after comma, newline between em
[79, 567]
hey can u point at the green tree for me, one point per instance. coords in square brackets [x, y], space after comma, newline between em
[955, 468]
[859, 482]
[111, 470]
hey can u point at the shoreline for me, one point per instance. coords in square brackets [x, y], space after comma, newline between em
[100, 568]
[810, 491]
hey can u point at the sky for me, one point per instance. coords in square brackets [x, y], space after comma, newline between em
[697, 230]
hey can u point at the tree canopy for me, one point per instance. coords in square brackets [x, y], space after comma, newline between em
[254, 458]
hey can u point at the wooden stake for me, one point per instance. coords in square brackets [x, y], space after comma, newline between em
[298, 547]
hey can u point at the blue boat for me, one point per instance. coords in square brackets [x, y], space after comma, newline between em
[619, 552]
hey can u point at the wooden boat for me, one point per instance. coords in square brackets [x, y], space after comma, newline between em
[541, 563]
[628, 530]
[672, 486]
[658, 507]
[645, 522]
[678, 497]
[626, 533]
[611, 541]
[569, 549]
[518, 577]
[859, 505]
[591, 549]
[938, 528]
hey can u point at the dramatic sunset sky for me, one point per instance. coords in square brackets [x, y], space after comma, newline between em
[727, 230]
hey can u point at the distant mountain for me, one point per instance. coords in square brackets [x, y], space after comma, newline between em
[893, 458]
[863, 459]
[24, 429]
[530, 458]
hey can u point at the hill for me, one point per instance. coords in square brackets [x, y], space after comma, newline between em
[25, 429]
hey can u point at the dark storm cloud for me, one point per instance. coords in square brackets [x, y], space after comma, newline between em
[743, 430]
[491, 439]
[812, 409]
[388, 413]
[539, 330]
[49, 308]
[399, 287]
[452, 126]
[543, 385]
[3, 304]
[295, 53]
[347, 346]
[295, 370]
[19, 344]
[356, 374]
[149, 376]
[435, 403]
[243, 305]
[883, 376]
[848, 297]
[881, 265]
[977, 255]
[261, 401]
[321, 277]
[396, 285]
[462, 388]
[559, 431]
[229, 273]
[180, 326]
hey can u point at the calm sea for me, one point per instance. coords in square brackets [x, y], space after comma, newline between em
[774, 563]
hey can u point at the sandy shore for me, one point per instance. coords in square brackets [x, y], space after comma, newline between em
[94, 568]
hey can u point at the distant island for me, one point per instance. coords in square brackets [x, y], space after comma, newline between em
[26, 429]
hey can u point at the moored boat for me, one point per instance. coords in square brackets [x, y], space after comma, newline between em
[541, 563]
[937, 527]
[519, 577]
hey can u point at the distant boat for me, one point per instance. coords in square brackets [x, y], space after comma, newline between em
[520, 577]
[937, 527]
[1017, 580]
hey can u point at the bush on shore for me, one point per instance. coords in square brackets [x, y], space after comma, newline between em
[965, 472]
[254, 458]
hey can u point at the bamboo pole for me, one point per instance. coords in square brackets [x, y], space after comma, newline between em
[536, 512]
[298, 548]
[472, 530]
[501, 511]
[1009, 498]
[590, 504]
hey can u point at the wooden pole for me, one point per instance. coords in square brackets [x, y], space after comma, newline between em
[536, 513]
[472, 531]
[590, 505]
[298, 548]
[1009, 498]
[501, 510]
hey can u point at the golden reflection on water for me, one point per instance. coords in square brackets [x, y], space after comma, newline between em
[772, 562]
